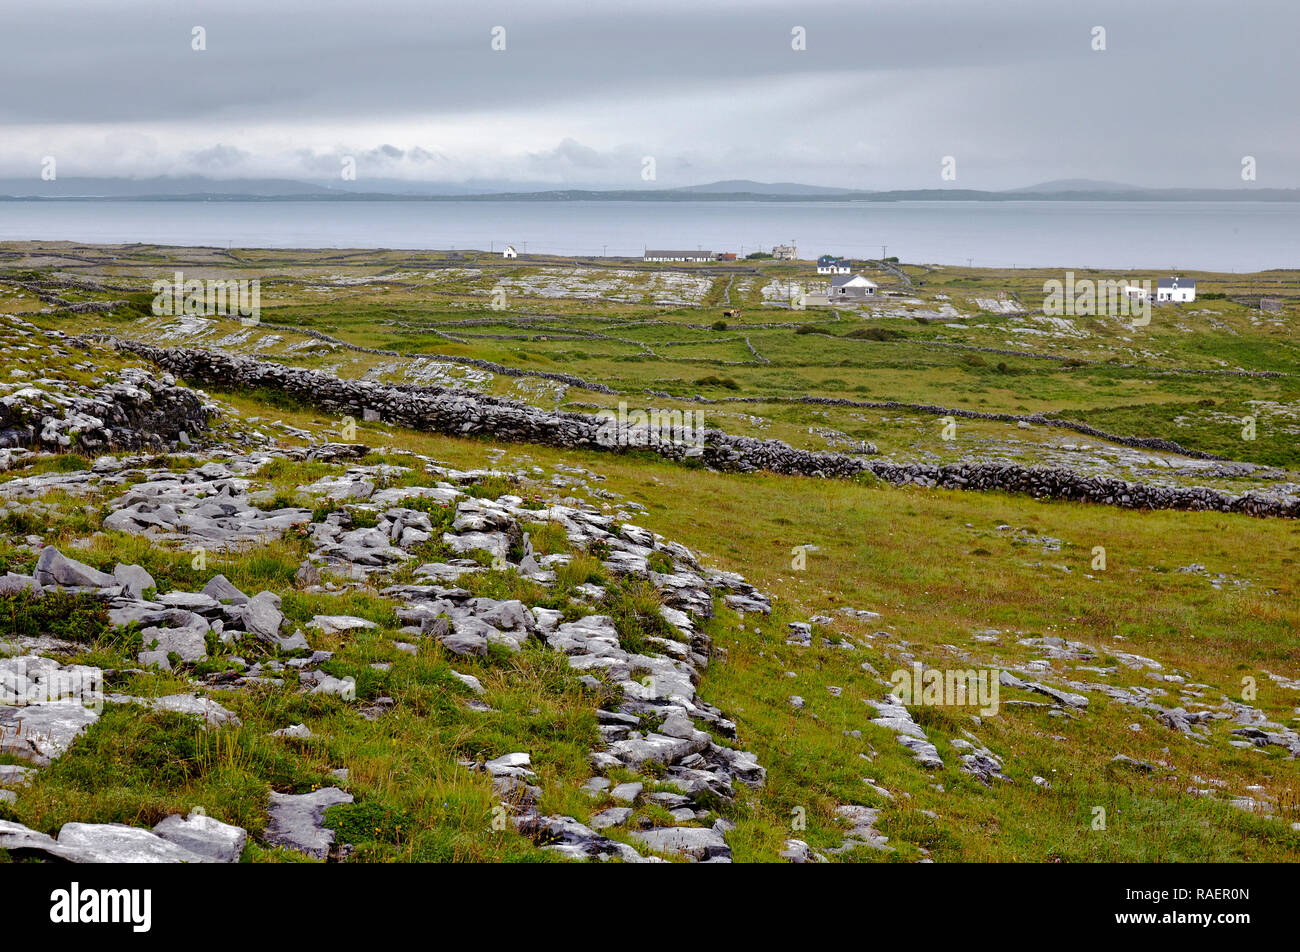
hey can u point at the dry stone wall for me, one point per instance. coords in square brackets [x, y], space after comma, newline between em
[465, 413]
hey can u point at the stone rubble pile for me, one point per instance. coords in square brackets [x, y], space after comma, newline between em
[655, 723]
[208, 508]
[135, 411]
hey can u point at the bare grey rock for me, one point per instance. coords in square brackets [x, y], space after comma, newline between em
[11, 583]
[54, 568]
[223, 590]
[697, 843]
[296, 820]
[510, 765]
[207, 837]
[471, 682]
[614, 816]
[189, 644]
[626, 792]
[43, 732]
[338, 624]
[135, 581]
[299, 731]
[262, 616]
[117, 843]
[307, 576]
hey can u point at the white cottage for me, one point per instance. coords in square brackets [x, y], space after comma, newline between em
[1176, 289]
[827, 264]
[510, 252]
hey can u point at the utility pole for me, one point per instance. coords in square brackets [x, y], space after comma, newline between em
[883, 250]
[968, 262]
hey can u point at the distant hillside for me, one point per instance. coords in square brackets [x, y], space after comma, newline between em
[161, 186]
[748, 187]
[1078, 185]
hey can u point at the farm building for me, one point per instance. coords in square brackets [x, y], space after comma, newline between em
[856, 288]
[785, 252]
[510, 252]
[726, 256]
[661, 255]
[1176, 289]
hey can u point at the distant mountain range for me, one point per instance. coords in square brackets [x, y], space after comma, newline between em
[199, 188]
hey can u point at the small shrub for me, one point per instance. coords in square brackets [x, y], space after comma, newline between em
[69, 463]
[712, 380]
[370, 821]
[490, 487]
[579, 571]
[875, 333]
[72, 616]
[363, 519]
[440, 515]
[547, 538]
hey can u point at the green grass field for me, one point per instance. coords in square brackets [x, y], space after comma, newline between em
[968, 579]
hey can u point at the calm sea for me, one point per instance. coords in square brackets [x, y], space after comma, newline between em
[1212, 236]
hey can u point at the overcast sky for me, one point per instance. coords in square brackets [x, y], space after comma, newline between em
[1011, 89]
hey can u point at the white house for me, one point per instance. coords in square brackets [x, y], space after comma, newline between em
[510, 252]
[856, 288]
[827, 264]
[1176, 289]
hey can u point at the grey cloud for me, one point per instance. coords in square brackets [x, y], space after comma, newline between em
[219, 158]
[1010, 87]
